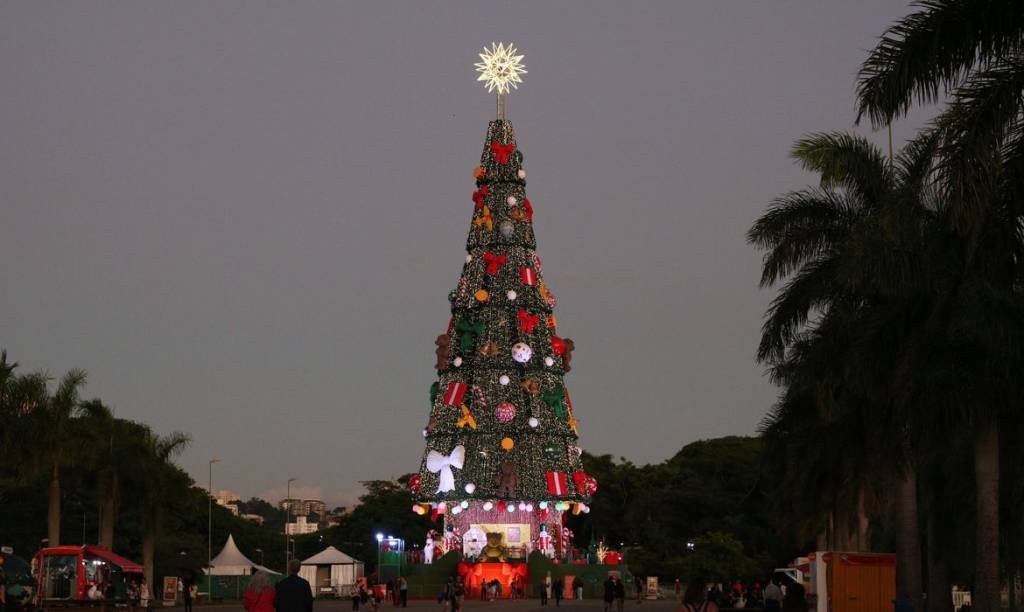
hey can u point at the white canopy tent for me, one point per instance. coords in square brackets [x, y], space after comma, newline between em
[331, 570]
[231, 562]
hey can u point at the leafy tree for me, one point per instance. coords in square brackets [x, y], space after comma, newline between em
[718, 557]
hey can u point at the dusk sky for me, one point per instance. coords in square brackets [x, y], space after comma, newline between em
[243, 218]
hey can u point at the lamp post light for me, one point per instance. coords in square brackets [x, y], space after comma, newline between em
[209, 526]
[287, 520]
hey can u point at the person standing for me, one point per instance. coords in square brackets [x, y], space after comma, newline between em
[132, 593]
[638, 586]
[577, 587]
[293, 594]
[609, 594]
[145, 597]
[354, 594]
[694, 599]
[545, 593]
[772, 596]
[620, 593]
[259, 595]
[558, 589]
[403, 591]
[186, 592]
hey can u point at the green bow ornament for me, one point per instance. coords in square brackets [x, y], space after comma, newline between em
[555, 399]
[468, 333]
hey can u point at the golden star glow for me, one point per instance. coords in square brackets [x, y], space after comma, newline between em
[500, 68]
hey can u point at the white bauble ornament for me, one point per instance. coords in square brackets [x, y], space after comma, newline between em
[511, 294]
[507, 229]
[424, 433]
[470, 487]
[522, 505]
[542, 505]
[469, 258]
[456, 509]
[510, 200]
[511, 507]
[457, 361]
[521, 174]
[488, 505]
[464, 504]
[549, 361]
[503, 379]
[521, 352]
[533, 422]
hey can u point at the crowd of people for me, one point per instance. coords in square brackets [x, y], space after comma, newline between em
[773, 597]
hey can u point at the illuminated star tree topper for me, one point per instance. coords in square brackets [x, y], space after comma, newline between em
[500, 69]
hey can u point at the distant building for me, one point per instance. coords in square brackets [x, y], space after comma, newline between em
[253, 517]
[227, 499]
[303, 507]
[300, 526]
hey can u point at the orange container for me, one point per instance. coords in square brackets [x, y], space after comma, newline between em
[853, 582]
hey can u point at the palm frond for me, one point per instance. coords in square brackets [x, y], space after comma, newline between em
[974, 127]
[798, 227]
[847, 161]
[811, 289]
[930, 52]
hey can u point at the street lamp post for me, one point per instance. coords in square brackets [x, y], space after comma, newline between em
[380, 538]
[288, 519]
[260, 550]
[209, 527]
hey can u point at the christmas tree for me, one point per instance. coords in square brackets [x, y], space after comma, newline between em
[502, 448]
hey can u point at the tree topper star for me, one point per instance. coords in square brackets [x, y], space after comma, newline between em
[500, 67]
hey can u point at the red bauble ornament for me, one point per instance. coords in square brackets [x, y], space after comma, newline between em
[415, 483]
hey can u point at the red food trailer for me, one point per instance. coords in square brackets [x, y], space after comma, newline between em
[66, 575]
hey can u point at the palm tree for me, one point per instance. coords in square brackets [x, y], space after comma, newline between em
[158, 451]
[106, 458]
[851, 250]
[54, 442]
[973, 53]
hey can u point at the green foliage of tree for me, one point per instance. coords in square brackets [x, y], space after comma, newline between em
[718, 556]
[653, 511]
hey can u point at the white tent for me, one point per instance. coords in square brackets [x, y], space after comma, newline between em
[331, 570]
[231, 562]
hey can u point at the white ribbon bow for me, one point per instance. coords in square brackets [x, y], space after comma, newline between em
[443, 464]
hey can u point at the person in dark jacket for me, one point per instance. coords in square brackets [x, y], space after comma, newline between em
[293, 594]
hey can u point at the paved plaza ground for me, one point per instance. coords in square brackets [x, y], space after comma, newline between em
[423, 605]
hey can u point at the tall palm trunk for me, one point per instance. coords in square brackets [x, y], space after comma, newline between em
[841, 526]
[986, 597]
[908, 539]
[939, 585]
[149, 535]
[107, 492]
[863, 521]
[53, 511]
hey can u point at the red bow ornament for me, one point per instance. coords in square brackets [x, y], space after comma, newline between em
[527, 321]
[494, 262]
[529, 210]
[557, 345]
[478, 197]
[501, 152]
